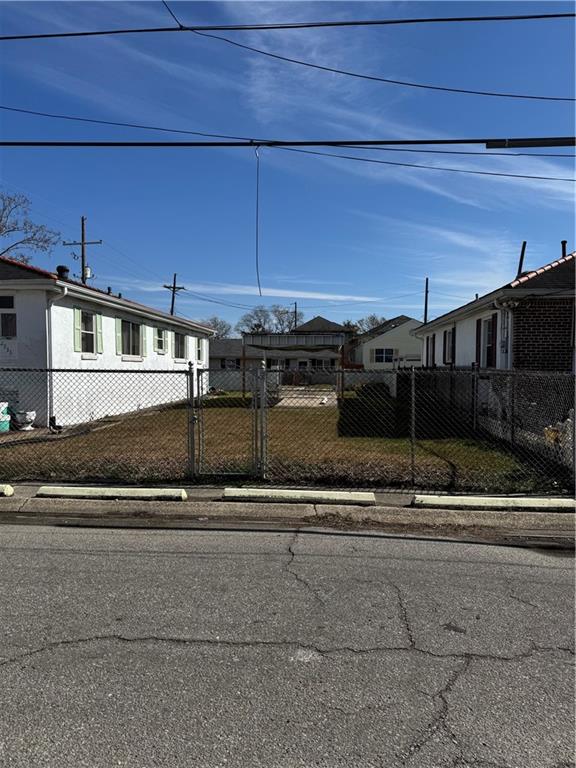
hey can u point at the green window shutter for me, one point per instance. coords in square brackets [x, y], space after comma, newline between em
[166, 338]
[118, 336]
[77, 330]
[99, 342]
[155, 339]
[143, 340]
[173, 337]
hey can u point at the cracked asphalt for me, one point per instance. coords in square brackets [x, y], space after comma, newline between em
[196, 648]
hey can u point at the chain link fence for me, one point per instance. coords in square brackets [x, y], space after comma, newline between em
[469, 430]
[95, 425]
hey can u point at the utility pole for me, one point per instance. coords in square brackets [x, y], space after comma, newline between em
[83, 243]
[174, 290]
[295, 314]
[426, 302]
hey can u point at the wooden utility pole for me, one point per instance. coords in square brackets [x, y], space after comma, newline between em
[174, 290]
[426, 302]
[83, 243]
[295, 314]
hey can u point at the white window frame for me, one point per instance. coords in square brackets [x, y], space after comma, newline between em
[199, 351]
[86, 335]
[180, 338]
[135, 331]
[160, 341]
[386, 358]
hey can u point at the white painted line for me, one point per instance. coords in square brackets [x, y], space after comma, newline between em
[493, 502]
[308, 496]
[6, 490]
[138, 494]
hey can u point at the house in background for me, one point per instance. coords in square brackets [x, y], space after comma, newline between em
[315, 345]
[388, 346]
[527, 324]
[48, 321]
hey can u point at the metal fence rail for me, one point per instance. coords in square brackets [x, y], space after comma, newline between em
[472, 430]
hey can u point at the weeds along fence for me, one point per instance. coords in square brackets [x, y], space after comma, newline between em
[473, 430]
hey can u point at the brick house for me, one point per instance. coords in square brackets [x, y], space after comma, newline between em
[527, 324]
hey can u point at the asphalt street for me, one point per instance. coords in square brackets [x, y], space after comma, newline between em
[166, 648]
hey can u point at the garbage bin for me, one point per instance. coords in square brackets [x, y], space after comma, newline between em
[4, 422]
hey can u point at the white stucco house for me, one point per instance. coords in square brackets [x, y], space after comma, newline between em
[388, 346]
[527, 324]
[49, 323]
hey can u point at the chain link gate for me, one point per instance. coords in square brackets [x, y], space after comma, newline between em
[226, 428]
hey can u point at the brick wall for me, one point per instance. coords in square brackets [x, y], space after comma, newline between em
[543, 335]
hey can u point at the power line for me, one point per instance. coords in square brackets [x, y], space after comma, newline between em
[428, 167]
[294, 25]
[546, 141]
[375, 78]
[142, 126]
[120, 124]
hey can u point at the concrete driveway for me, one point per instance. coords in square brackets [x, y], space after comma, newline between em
[164, 648]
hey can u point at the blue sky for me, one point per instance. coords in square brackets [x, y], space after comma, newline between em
[341, 238]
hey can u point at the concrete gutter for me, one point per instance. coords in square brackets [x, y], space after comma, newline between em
[519, 528]
[140, 494]
[494, 502]
[360, 498]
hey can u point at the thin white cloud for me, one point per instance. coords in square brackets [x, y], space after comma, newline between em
[238, 289]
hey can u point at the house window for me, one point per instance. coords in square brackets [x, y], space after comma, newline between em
[302, 365]
[160, 340]
[431, 351]
[199, 350]
[179, 346]
[449, 347]
[131, 338]
[383, 355]
[8, 325]
[7, 319]
[88, 332]
[230, 363]
[489, 343]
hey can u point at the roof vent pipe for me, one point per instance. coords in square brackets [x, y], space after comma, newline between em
[62, 271]
[564, 244]
[521, 261]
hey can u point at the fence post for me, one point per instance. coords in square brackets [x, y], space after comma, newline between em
[475, 399]
[191, 420]
[413, 426]
[262, 420]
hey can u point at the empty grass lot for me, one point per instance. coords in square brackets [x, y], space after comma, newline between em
[303, 448]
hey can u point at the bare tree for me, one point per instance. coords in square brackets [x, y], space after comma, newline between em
[274, 319]
[350, 325]
[283, 318]
[18, 234]
[258, 320]
[221, 326]
[369, 322]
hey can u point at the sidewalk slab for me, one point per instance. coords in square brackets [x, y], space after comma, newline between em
[361, 498]
[494, 502]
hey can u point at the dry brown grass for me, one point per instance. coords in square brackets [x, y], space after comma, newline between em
[303, 447]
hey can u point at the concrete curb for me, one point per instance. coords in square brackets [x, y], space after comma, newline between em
[6, 490]
[360, 498]
[493, 502]
[120, 494]
[493, 527]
